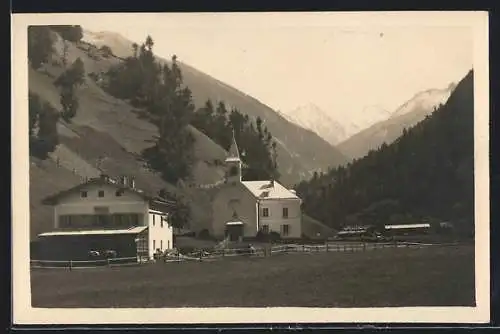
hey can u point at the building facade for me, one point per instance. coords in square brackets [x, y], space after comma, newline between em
[101, 211]
[243, 208]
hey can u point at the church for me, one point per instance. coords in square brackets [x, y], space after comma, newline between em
[243, 208]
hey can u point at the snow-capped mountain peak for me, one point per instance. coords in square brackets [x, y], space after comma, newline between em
[312, 117]
[425, 100]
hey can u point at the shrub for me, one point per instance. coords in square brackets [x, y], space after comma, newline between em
[274, 236]
[106, 51]
[186, 249]
[261, 236]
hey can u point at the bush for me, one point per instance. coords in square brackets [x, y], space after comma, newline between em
[274, 236]
[267, 237]
[186, 249]
[106, 51]
[261, 236]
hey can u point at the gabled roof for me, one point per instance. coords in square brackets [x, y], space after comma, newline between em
[54, 199]
[264, 190]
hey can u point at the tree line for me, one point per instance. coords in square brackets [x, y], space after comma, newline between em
[255, 142]
[425, 175]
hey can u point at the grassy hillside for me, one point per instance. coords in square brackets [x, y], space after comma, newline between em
[297, 147]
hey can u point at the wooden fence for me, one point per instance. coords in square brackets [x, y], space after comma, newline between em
[230, 253]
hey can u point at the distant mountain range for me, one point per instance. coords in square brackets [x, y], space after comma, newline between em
[407, 115]
[311, 117]
[334, 127]
[355, 136]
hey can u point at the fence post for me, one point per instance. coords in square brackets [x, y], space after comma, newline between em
[344, 248]
[223, 252]
[364, 246]
[327, 246]
[70, 265]
[303, 248]
[108, 262]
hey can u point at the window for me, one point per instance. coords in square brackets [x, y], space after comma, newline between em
[134, 219]
[161, 244]
[154, 220]
[83, 194]
[103, 221]
[154, 244]
[285, 212]
[101, 193]
[118, 220]
[285, 230]
[168, 244]
[161, 221]
[265, 228]
[265, 212]
[64, 221]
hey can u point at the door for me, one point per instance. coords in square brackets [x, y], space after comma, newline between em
[234, 232]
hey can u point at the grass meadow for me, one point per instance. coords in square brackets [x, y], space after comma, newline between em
[433, 276]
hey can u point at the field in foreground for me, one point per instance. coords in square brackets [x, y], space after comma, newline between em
[436, 276]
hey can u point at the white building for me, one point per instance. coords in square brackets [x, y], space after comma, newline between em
[243, 208]
[103, 214]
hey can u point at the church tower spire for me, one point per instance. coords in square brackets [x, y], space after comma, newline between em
[233, 163]
[233, 150]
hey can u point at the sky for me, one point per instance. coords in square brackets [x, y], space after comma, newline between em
[344, 66]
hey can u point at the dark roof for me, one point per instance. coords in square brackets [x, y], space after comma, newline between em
[53, 199]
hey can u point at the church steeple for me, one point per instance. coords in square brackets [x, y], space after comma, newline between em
[233, 150]
[233, 163]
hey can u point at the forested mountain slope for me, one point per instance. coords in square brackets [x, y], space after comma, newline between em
[426, 174]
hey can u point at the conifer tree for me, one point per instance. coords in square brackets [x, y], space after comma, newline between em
[68, 83]
[40, 46]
